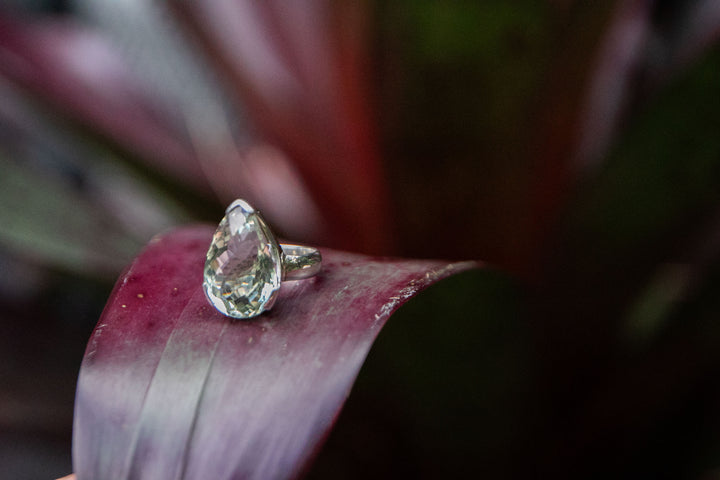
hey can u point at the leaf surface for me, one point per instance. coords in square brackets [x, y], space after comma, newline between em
[170, 388]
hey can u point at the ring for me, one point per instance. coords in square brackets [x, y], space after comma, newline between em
[245, 264]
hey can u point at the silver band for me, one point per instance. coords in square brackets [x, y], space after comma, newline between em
[299, 261]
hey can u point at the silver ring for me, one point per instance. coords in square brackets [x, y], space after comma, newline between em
[245, 265]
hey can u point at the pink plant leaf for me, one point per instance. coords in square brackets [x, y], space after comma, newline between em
[79, 75]
[235, 162]
[301, 72]
[589, 89]
[632, 61]
[320, 123]
[170, 388]
[635, 48]
[621, 53]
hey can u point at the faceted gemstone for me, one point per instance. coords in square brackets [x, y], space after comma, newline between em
[243, 268]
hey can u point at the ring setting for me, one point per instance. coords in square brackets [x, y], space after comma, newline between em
[245, 264]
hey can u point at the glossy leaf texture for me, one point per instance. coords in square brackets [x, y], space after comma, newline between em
[170, 388]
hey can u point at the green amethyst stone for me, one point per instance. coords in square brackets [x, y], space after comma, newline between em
[243, 268]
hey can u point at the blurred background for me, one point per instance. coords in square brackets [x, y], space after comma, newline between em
[573, 146]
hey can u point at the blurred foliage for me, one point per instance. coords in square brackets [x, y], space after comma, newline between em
[592, 355]
[42, 216]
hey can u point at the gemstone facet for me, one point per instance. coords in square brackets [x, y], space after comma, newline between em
[243, 268]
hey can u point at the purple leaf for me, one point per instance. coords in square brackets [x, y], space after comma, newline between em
[234, 160]
[169, 388]
[76, 73]
[589, 87]
[302, 72]
[621, 53]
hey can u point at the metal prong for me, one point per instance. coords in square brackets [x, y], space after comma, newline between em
[240, 203]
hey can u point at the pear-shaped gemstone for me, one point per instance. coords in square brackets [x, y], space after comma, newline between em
[243, 268]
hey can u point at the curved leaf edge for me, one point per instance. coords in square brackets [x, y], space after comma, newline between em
[163, 371]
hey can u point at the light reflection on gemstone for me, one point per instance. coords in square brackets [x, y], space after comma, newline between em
[243, 267]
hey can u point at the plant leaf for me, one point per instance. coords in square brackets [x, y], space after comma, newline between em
[46, 220]
[301, 72]
[81, 77]
[655, 198]
[621, 52]
[513, 107]
[444, 392]
[82, 210]
[169, 388]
